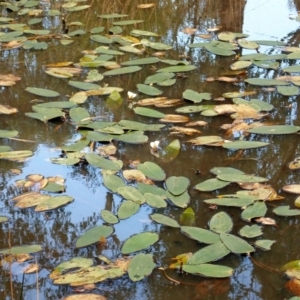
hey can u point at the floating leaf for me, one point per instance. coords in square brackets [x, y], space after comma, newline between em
[152, 171]
[177, 185]
[101, 162]
[265, 82]
[208, 270]
[84, 85]
[15, 155]
[93, 235]
[206, 140]
[188, 217]
[56, 104]
[236, 244]
[285, 211]
[30, 199]
[53, 203]
[148, 90]
[77, 146]
[211, 185]
[131, 193]
[221, 222]
[256, 210]
[127, 209]
[140, 266]
[247, 44]
[42, 92]
[140, 61]
[195, 97]
[113, 182]
[241, 64]
[54, 187]
[127, 22]
[292, 69]
[218, 50]
[267, 64]
[233, 201]
[275, 129]
[45, 114]
[7, 134]
[181, 200]
[3, 219]
[155, 46]
[132, 125]
[164, 220]
[136, 32]
[264, 244]
[288, 90]
[108, 217]
[135, 137]
[25, 249]
[201, 235]
[155, 200]
[177, 69]
[251, 231]
[121, 71]
[241, 178]
[139, 242]
[235, 145]
[152, 189]
[209, 253]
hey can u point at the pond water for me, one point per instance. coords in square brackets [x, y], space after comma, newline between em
[57, 230]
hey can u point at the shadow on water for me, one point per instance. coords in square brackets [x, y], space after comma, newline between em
[57, 230]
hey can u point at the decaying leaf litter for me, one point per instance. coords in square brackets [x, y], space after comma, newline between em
[175, 192]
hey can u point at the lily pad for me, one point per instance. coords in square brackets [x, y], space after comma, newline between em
[255, 210]
[235, 145]
[292, 188]
[275, 129]
[108, 217]
[152, 171]
[208, 270]
[288, 90]
[209, 253]
[200, 235]
[93, 235]
[181, 200]
[251, 231]
[195, 96]
[221, 222]
[42, 92]
[148, 90]
[53, 203]
[285, 211]
[139, 242]
[84, 85]
[127, 209]
[177, 185]
[131, 193]
[15, 155]
[3, 219]
[113, 182]
[234, 201]
[241, 178]
[141, 61]
[177, 69]
[211, 185]
[164, 220]
[101, 162]
[155, 201]
[121, 71]
[6, 134]
[265, 82]
[152, 189]
[140, 266]
[264, 244]
[25, 249]
[236, 244]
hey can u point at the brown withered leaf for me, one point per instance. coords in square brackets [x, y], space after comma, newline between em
[246, 112]
[170, 103]
[248, 185]
[6, 109]
[107, 150]
[238, 129]
[210, 79]
[148, 5]
[196, 123]
[225, 109]
[205, 35]
[9, 77]
[151, 101]
[227, 79]
[134, 175]
[134, 163]
[293, 286]
[174, 119]
[32, 268]
[59, 64]
[184, 130]
[35, 177]
[266, 221]
[189, 30]
[56, 179]
[159, 54]
[122, 263]
[15, 171]
[295, 164]
[85, 287]
[213, 29]
[213, 287]
[288, 78]
[12, 45]
[219, 99]
[20, 258]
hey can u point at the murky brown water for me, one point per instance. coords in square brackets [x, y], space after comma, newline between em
[58, 229]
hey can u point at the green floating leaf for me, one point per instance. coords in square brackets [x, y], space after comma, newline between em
[211, 185]
[25, 249]
[113, 182]
[292, 69]
[108, 217]
[136, 32]
[255, 210]
[130, 49]
[139, 242]
[135, 137]
[15, 155]
[115, 30]
[152, 189]
[164, 220]
[221, 222]
[100, 39]
[5, 149]
[285, 211]
[7, 134]
[201, 235]
[69, 161]
[148, 90]
[240, 65]
[158, 78]
[98, 136]
[152, 171]
[229, 36]
[84, 85]
[209, 253]
[80, 115]
[105, 50]
[241, 178]
[292, 188]
[247, 44]
[133, 125]
[53, 203]
[127, 22]
[177, 185]
[56, 104]
[121, 71]
[288, 90]
[131, 193]
[42, 92]
[78, 8]
[155, 201]
[127, 209]
[208, 270]
[264, 244]
[3, 219]
[234, 201]
[251, 231]
[177, 69]
[263, 106]
[140, 266]
[93, 235]
[265, 82]
[53, 187]
[141, 61]
[235, 145]
[112, 16]
[148, 112]
[267, 64]
[236, 244]
[171, 151]
[101, 162]
[77, 146]
[181, 200]
[188, 217]
[219, 51]
[275, 129]
[156, 46]
[270, 43]
[195, 96]
[45, 114]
